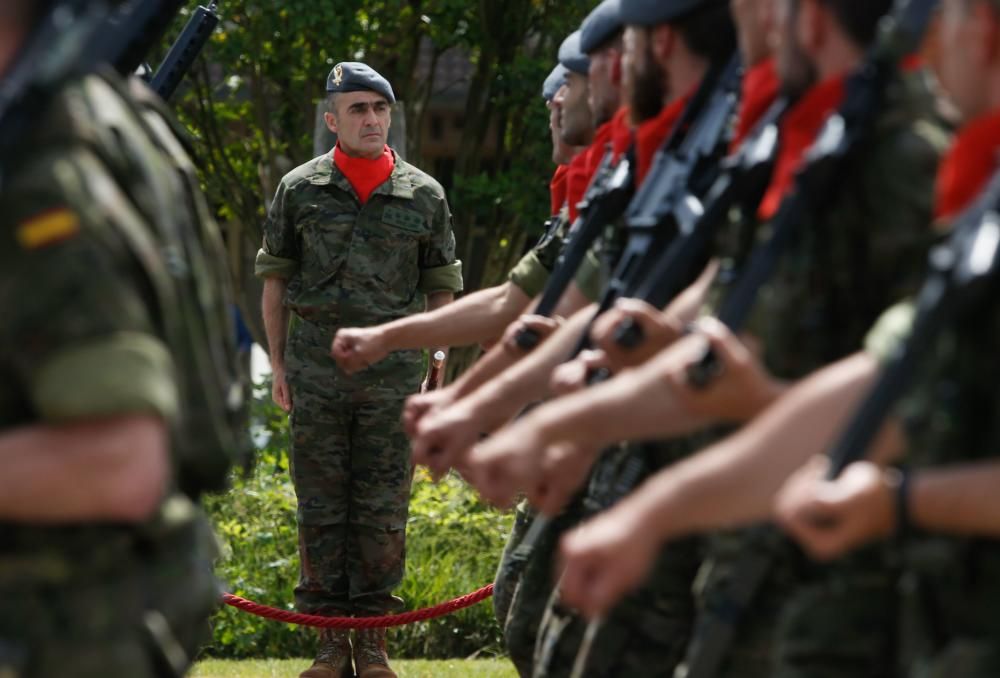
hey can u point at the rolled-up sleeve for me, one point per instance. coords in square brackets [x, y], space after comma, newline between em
[439, 270]
[279, 255]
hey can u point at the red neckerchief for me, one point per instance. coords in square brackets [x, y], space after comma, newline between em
[968, 166]
[651, 135]
[760, 90]
[557, 188]
[577, 180]
[622, 133]
[798, 132]
[363, 174]
[584, 166]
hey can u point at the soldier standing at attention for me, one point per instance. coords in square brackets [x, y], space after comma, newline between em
[110, 426]
[355, 237]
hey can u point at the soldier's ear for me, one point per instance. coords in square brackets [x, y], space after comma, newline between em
[331, 122]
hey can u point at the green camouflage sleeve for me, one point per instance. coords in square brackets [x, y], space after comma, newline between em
[439, 270]
[77, 333]
[532, 272]
[279, 256]
[530, 275]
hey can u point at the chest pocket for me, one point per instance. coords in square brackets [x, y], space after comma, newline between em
[325, 235]
[391, 250]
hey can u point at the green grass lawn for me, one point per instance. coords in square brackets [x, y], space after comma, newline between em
[290, 668]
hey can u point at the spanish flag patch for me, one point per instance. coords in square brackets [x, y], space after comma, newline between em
[48, 228]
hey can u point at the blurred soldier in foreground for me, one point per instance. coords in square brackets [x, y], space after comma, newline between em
[118, 400]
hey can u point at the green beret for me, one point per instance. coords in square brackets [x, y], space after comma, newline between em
[600, 26]
[653, 12]
[352, 76]
[572, 57]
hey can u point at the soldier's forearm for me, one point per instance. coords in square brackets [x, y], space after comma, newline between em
[114, 469]
[733, 483]
[528, 379]
[472, 319]
[275, 319]
[961, 501]
[633, 406]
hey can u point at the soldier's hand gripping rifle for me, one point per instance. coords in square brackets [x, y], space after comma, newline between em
[839, 145]
[963, 275]
[610, 194]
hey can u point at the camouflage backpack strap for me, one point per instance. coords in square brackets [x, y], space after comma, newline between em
[159, 215]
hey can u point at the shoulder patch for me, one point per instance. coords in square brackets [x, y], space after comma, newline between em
[48, 228]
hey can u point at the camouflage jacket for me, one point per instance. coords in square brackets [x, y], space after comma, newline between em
[532, 272]
[352, 265]
[82, 339]
[847, 265]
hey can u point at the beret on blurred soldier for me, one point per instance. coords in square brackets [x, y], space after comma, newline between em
[653, 12]
[552, 84]
[352, 76]
[572, 57]
[601, 25]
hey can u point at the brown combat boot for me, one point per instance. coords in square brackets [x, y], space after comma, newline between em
[369, 654]
[333, 659]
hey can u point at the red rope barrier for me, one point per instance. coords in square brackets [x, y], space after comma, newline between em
[358, 622]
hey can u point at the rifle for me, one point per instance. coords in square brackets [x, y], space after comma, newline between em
[686, 158]
[606, 198]
[744, 180]
[611, 193]
[963, 272]
[818, 183]
[815, 186]
[185, 50]
[670, 199]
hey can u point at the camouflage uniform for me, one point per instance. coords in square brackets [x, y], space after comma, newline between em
[950, 590]
[349, 265]
[532, 272]
[845, 265]
[645, 634]
[88, 198]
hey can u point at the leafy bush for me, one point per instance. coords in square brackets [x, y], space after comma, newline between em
[454, 542]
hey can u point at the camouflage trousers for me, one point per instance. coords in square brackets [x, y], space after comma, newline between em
[648, 632]
[145, 618]
[951, 594]
[525, 590]
[805, 621]
[352, 474]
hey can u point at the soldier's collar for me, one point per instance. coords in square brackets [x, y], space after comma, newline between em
[399, 185]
